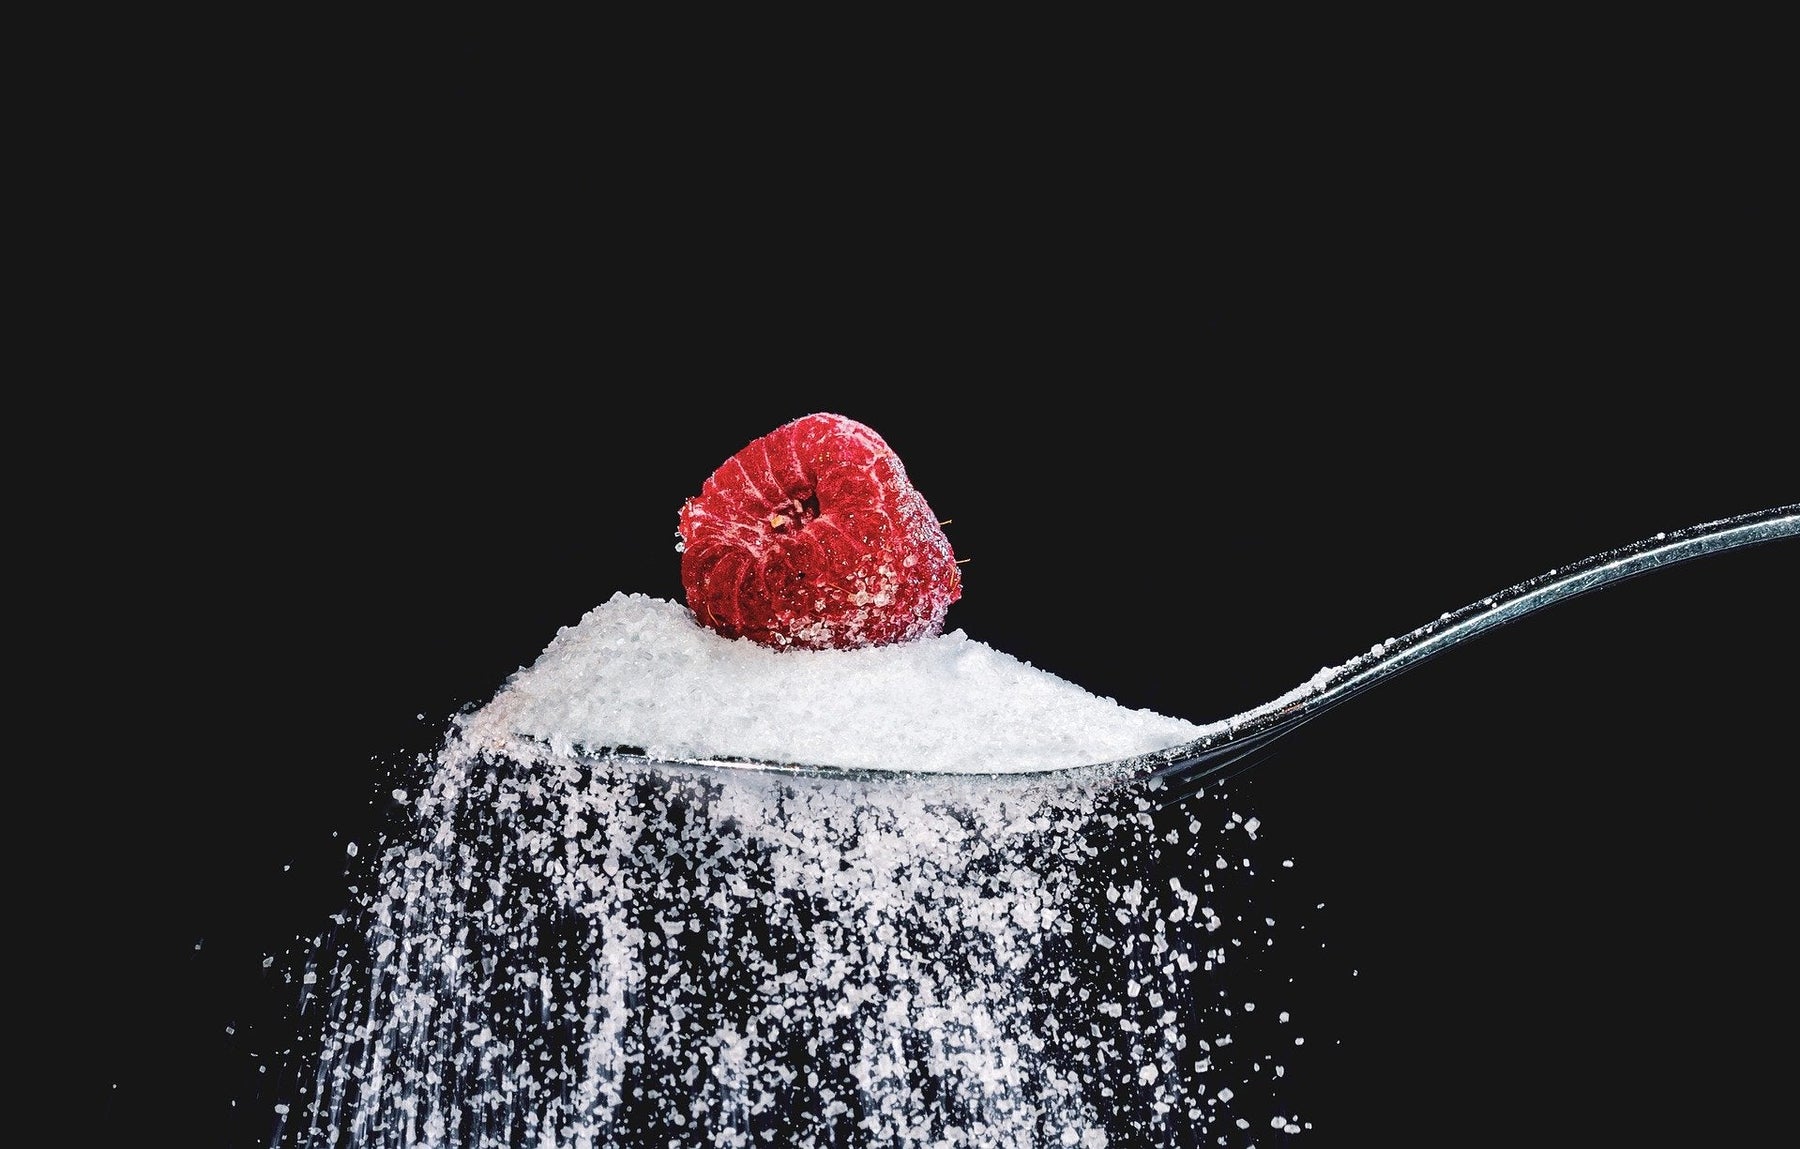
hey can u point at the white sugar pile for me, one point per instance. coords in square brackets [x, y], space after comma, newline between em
[639, 672]
[565, 948]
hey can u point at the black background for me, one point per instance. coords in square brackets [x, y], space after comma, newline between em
[425, 350]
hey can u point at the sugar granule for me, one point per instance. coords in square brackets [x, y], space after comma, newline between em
[567, 947]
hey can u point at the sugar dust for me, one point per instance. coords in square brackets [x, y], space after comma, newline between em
[573, 941]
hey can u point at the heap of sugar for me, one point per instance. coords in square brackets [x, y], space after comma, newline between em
[638, 673]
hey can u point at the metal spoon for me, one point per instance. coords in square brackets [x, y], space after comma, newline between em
[1181, 769]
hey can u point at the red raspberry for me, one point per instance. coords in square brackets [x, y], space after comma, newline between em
[814, 537]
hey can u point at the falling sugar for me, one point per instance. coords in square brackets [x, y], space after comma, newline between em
[570, 945]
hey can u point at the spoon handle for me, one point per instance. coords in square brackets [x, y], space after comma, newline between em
[1206, 758]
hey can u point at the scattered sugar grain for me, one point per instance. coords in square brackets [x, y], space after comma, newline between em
[568, 944]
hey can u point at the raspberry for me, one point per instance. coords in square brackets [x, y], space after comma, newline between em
[813, 536]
